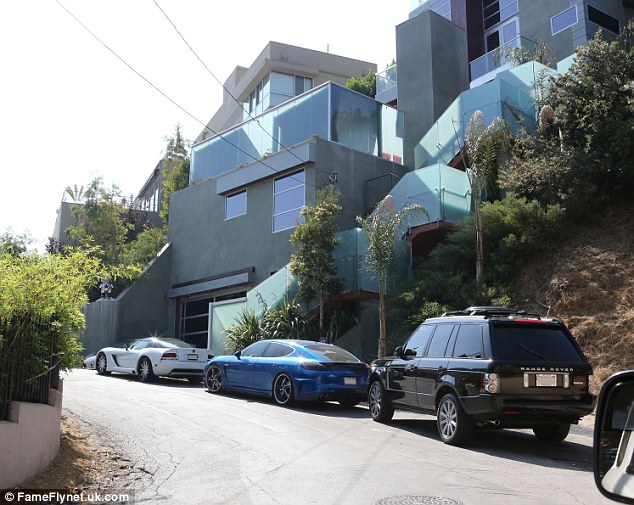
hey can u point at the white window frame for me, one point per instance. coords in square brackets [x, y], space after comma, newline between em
[552, 28]
[303, 186]
[244, 191]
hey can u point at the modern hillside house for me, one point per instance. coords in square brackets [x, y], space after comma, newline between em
[288, 126]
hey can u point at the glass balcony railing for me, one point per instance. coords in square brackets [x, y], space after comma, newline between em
[515, 52]
[329, 111]
[386, 79]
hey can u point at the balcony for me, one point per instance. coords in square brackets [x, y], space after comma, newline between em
[515, 52]
[386, 85]
[329, 111]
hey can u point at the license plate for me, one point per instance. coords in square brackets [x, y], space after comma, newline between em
[192, 357]
[548, 380]
[350, 381]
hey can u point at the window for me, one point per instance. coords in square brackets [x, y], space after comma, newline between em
[502, 34]
[236, 205]
[288, 200]
[440, 340]
[331, 353]
[275, 350]
[469, 342]
[563, 20]
[254, 350]
[443, 9]
[495, 11]
[604, 20]
[418, 341]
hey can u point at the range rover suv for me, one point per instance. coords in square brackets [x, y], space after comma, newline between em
[486, 367]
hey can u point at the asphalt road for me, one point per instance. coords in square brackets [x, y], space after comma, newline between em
[199, 448]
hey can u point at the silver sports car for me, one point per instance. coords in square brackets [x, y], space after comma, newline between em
[154, 357]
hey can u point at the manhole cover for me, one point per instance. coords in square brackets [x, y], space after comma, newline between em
[418, 500]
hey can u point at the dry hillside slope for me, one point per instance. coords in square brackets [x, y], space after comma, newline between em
[588, 280]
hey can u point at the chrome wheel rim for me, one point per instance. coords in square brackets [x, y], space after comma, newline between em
[101, 363]
[144, 369]
[283, 388]
[375, 399]
[447, 419]
[214, 379]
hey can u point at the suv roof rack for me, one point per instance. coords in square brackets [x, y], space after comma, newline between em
[489, 311]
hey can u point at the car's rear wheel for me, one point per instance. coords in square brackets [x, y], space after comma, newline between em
[454, 425]
[381, 409]
[144, 370]
[283, 389]
[214, 379]
[102, 364]
[552, 433]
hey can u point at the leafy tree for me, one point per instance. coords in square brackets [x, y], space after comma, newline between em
[145, 247]
[175, 178]
[366, 84]
[592, 105]
[14, 244]
[486, 148]
[176, 148]
[49, 288]
[316, 238]
[515, 229]
[382, 229]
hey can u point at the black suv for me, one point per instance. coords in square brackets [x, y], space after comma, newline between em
[486, 367]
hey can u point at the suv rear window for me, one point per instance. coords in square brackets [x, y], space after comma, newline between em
[533, 343]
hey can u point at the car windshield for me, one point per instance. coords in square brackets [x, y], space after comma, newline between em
[533, 343]
[332, 353]
[172, 342]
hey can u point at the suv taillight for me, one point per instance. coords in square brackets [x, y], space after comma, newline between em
[491, 383]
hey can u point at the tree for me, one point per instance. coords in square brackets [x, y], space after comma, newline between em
[382, 229]
[366, 84]
[316, 238]
[14, 244]
[176, 148]
[49, 288]
[176, 165]
[486, 149]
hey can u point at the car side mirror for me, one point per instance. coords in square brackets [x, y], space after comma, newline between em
[399, 351]
[410, 353]
[126, 346]
[237, 354]
[614, 438]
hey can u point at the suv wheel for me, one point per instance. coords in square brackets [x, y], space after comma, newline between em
[381, 408]
[552, 433]
[454, 425]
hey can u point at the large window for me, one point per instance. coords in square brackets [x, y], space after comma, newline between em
[496, 11]
[563, 20]
[604, 20]
[288, 200]
[236, 205]
[502, 34]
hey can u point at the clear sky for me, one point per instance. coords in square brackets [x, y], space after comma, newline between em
[71, 111]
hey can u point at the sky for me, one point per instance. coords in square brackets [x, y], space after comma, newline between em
[70, 110]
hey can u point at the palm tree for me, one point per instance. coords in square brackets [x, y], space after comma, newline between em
[382, 228]
[486, 149]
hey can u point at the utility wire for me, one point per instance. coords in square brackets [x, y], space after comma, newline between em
[205, 126]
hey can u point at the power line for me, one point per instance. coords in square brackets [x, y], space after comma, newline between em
[205, 126]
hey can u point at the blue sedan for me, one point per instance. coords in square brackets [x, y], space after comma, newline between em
[288, 370]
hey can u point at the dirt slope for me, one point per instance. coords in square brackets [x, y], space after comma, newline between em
[588, 280]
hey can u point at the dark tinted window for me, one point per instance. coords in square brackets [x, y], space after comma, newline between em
[256, 349]
[332, 353]
[533, 343]
[141, 344]
[276, 350]
[602, 19]
[439, 341]
[469, 342]
[418, 341]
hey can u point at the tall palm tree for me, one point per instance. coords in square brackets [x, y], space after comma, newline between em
[382, 229]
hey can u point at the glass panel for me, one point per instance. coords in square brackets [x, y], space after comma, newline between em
[289, 200]
[196, 324]
[419, 339]
[602, 19]
[440, 340]
[255, 350]
[286, 221]
[236, 205]
[282, 84]
[564, 19]
[289, 182]
[332, 353]
[354, 120]
[493, 41]
[533, 343]
[197, 307]
[509, 31]
[469, 342]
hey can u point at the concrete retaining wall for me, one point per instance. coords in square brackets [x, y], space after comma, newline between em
[29, 441]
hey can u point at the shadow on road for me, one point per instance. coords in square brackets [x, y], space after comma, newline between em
[516, 445]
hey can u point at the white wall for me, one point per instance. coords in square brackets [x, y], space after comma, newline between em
[29, 441]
